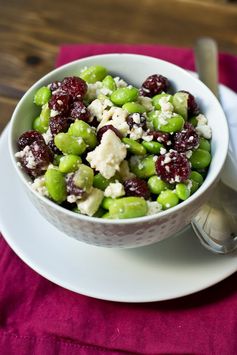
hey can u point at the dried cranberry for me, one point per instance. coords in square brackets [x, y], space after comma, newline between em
[74, 86]
[55, 85]
[53, 147]
[72, 189]
[59, 124]
[104, 129]
[136, 187]
[79, 110]
[94, 122]
[136, 119]
[60, 102]
[193, 109]
[28, 137]
[173, 167]
[153, 85]
[186, 139]
[160, 137]
[36, 159]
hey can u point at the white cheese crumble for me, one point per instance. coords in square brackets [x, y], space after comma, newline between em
[26, 153]
[124, 171]
[146, 102]
[162, 151]
[39, 186]
[115, 189]
[47, 136]
[165, 105]
[108, 155]
[204, 131]
[120, 83]
[91, 203]
[136, 132]
[119, 120]
[54, 113]
[153, 207]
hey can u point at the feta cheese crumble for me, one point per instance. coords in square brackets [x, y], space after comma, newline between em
[115, 189]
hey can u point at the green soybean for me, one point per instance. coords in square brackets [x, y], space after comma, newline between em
[123, 95]
[42, 96]
[37, 125]
[83, 177]
[142, 167]
[109, 83]
[128, 207]
[99, 213]
[156, 100]
[152, 146]
[56, 185]
[106, 202]
[180, 103]
[182, 191]
[168, 199]
[69, 163]
[156, 185]
[93, 74]
[134, 107]
[69, 144]
[204, 144]
[200, 159]
[41, 123]
[196, 177]
[194, 187]
[174, 124]
[134, 147]
[82, 129]
[100, 182]
[56, 159]
[193, 121]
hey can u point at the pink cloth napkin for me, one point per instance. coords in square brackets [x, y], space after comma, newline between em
[38, 317]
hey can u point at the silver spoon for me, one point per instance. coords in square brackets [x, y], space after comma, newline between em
[216, 223]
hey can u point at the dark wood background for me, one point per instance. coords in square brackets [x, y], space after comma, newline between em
[31, 32]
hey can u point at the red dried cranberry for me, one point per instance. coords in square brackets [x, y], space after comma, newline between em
[28, 137]
[136, 119]
[94, 122]
[153, 85]
[36, 159]
[160, 137]
[59, 124]
[55, 85]
[53, 147]
[74, 86]
[186, 139]
[79, 110]
[193, 109]
[104, 129]
[60, 102]
[173, 167]
[72, 189]
[136, 187]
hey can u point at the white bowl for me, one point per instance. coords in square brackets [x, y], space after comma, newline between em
[138, 231]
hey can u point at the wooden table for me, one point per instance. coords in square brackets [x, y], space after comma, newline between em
[31, 32]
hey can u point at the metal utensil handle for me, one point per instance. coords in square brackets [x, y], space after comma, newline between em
[206, 55]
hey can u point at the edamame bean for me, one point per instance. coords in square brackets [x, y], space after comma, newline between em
[123, 95]
[83, 177]
[82, 129]
[156, 100]
[194, 187]
[109, 83]
[69, 163]
[193, 121]
[168, 199]
[56, 185]
[134, 107]
[196, 177]
[182, 191]
[200, 159]
[57, 158]
[93, 74]
[204, 144]
[134, 147]
[69, 144]
[174, 124]
[152, 146]
[41, 123]
[100, 182]
[142, 167]
[99, 213]
[156, 185]
[37, 125]
[42, 96]
[128, 207]
[180, 103]
[106, 202]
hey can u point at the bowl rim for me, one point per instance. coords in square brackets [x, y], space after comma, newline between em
[150, 218]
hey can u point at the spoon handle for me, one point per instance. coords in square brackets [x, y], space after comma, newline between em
[206, 56]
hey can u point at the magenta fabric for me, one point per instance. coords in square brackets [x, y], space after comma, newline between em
[38, 317]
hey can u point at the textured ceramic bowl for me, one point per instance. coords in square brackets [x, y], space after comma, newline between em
[138, 231]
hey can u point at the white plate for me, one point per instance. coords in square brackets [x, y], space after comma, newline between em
[172, 268]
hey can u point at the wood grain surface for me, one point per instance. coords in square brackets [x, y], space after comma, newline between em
[31, 32]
